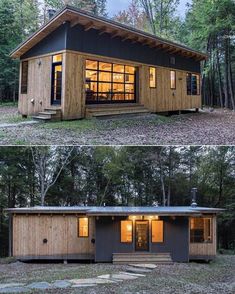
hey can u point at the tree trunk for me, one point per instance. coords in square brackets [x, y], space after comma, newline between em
[226, 54]
[230, 79]
[219, 78]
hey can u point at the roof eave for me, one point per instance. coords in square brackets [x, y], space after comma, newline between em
[68, 9]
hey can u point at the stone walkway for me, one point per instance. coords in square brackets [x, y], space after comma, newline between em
[133, 271]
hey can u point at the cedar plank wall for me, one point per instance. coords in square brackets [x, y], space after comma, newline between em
[39, 86]
[161, 99]
[205, 249]
[60, 231]
[73, 101]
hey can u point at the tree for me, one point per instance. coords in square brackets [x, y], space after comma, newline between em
[47, 167]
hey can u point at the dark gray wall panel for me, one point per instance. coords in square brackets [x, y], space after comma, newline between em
[92, 42]
[108, 239]
[56, 41]
[176, 239]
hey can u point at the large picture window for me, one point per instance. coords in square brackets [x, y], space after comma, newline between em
[56, 89]
[157, 231]
[201, 230]
[108, 82]
[24, 77]
[126, 231]
[83, 227]
[193, 84]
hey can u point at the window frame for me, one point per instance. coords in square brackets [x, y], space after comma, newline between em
[53, 67]
[24, 83]
[211, 241]
[112, 93]
[88, 223]
[173, 71]
[132, 231]
[154, 77]
[163, 239]
[190, 81]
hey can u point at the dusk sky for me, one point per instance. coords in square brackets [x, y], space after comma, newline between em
[116, 5]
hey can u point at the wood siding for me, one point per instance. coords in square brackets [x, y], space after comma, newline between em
[205, 249]
[60, 231]
[159, 99]
[39, 86]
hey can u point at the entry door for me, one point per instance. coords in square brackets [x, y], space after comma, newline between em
[56, 90]
[142, 236]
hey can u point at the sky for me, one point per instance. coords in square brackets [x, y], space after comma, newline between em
[117, 5]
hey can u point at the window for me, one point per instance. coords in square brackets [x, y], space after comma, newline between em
[24, 77]
[126, 231]
[83, 227]
[193, 84]
[157, 231]
[173, 79]
[56, 89]
[108, 82]
[152, 77]
[201, 230]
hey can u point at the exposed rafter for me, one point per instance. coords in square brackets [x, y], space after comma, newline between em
[88, 26]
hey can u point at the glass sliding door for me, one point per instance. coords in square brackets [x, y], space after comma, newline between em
[109, 83]
[142, 236]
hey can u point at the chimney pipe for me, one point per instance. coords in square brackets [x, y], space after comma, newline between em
[51, 13]
[194, 197]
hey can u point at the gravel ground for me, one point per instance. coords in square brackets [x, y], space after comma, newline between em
[193, 278]
[204, 128]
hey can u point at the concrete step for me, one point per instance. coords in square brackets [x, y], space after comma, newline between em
[48, 112]
[145, 258]
[117, 108]
[42, 118]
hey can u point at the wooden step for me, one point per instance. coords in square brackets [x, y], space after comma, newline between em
[109, 111]
[49, 114]
[153, 258]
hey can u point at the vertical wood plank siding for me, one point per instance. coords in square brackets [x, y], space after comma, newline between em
[60, 232]
[205, 249]
[39, 86]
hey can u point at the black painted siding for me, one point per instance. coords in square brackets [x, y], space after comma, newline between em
[54, 42]
[175, 239]
[108, 239]
[77, 39]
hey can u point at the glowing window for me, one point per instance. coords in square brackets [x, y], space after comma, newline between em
[126, 231]
[152, 77]
[57, 58]
[173, 80]
[83, 227]
[157, 231]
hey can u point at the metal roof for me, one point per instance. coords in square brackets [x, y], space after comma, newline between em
[117, 210]
[88, 20]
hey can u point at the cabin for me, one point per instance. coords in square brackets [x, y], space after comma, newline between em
[114, 234]
[79, 65]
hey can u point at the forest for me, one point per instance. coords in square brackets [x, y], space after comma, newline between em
[115, 176]
[208, 26]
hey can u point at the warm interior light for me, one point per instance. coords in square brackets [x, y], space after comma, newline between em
[129, 228]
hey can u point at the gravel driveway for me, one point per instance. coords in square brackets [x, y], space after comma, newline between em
[204, 128]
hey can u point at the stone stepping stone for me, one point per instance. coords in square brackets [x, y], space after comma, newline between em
[61, 284]
[133, 274]
[84, 285]
[91, 281]
[40, 286]
[136, 270]
[14, 290]
[145, 265]
[3, 286]
[119, 277]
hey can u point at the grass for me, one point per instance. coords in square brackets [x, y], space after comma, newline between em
[8, 104]
[7, 260]
[110, 124]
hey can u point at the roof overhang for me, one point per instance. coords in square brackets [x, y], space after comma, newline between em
[117, 211]
[105, 26]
